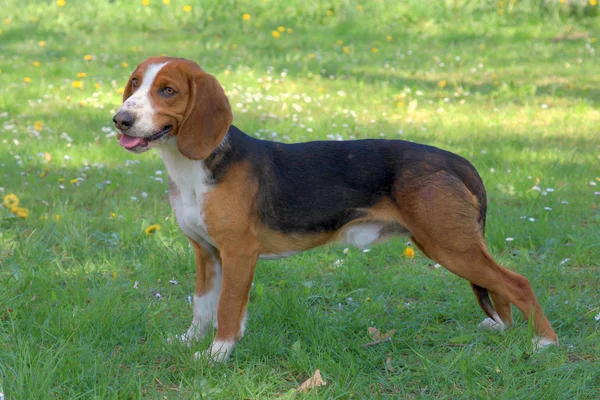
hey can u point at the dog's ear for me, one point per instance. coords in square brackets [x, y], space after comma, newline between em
[129, 87]
[207, 117]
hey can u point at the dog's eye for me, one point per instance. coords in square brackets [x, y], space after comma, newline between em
[168, 91]
[135, 82]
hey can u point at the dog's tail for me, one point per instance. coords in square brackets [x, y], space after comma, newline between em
[483, 298]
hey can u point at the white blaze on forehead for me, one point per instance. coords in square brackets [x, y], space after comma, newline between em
[140, 105]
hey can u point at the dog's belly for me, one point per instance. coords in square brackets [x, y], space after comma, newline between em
[364, 234]
[358, 234]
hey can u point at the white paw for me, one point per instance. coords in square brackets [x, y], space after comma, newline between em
[540, 343]
[218, 352]
[492, 325]
[193, 334]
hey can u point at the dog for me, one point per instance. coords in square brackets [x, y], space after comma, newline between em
[239, 199]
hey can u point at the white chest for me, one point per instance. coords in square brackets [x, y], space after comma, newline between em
[191, 179]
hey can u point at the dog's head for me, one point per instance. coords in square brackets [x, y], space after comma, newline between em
[168, 97]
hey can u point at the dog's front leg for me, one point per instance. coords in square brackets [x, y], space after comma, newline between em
[238, 263]
[206, 295]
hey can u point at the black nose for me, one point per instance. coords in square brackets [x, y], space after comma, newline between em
[123, 120]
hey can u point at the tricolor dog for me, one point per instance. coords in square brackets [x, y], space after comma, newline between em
[239, 199]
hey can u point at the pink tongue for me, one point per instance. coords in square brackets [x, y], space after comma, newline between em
[130, 142]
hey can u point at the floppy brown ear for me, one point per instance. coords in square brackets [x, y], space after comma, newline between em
[129, 87]
[207, 118]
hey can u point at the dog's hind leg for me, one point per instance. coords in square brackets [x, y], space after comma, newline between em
[493, 321]
[443, 216]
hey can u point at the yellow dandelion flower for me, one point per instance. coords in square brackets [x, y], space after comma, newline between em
[145, 3]
[21, 212]
[74, 181]
[42, 174]
[61, 180]
[151, 229]
[339, 42]
[113, 215]
[442, 84]
[44, 217]
[246, 17]
[374, 50]
[329, 13]
[42, 43]
[359, 7]
[63, 59]
[166, 2]
[120, 91]
[593, 3]
[7, 21]
[500, 11]
[346, 50]
[61, 3]
[11, 200]
[409, 252]
[187, 8]
[77, 84]
[38, 126]
[400, 104]
[281, 28]
[124, 65]
[81, 74]
[275, 34]
[27, 79]
[1, 31]
[83, 103]
[312, 55]
[88, 57]
[289, 30]
[98, 86]
[35, 63]
[388, 38]
[57, 217]
[234, 46]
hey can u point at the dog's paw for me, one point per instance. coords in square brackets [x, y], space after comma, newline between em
[540, 343]
[219, 352]
[183, 339]
[192, 335]
[492, 325]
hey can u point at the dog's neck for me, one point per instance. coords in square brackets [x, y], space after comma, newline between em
[214, 166]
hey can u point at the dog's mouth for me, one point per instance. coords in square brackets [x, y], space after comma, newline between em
[132, 142]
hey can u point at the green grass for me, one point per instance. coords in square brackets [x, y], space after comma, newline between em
[478, 78]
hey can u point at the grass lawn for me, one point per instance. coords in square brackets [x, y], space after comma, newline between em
[483, 79]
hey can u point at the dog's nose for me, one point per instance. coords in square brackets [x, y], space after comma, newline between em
[124, 120]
